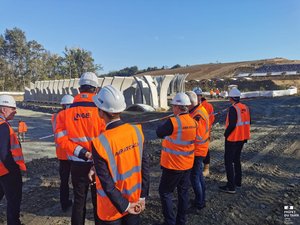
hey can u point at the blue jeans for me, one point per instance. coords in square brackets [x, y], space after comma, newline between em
[170, 180]
[198, 182]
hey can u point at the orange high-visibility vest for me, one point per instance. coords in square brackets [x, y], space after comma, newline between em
[22, 127]
[178, 148]
[202, 139]
[210, 110]
[81, 125]
[242, 129]
[61, 154]
[15, 149]
[122, 149]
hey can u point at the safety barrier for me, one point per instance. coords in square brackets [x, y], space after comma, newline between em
[260, 74]
[149, 90]
[275, 93]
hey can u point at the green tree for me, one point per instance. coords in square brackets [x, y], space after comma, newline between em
[35, 62]
[77, 61]
[175, 66]
[14, 52]
[22, 61]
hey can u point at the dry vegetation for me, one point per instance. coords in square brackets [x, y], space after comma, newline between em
[220, 70]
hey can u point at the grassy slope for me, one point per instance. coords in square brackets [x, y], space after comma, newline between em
[220, 70]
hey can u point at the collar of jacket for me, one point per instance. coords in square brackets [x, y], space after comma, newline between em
[114, 124]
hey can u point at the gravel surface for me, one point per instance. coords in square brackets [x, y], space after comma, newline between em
[271, 169]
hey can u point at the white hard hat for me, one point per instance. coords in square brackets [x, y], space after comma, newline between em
[67, 100]
[89, 78]
[234, 92]
[197, 90]
[110, 99]
[193, 97]
[181, 99]
[7, 100]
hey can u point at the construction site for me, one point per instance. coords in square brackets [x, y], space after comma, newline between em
[270, 164]
[270, 159]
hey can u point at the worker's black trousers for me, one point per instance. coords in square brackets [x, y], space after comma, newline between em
[206, 160]
[64, 173]
[232, 158]
[81, 184]
[171, 179]
[129, 219]
[11, 187]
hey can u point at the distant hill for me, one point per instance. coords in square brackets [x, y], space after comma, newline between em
[220, 70]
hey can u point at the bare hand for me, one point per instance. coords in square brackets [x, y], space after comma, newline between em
[88, 155]
[142, 203]
[134, 208]
[91, 175]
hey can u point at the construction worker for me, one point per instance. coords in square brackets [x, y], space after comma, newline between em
[210, 110]
[121, 166]
[61, 154]
[211, 92]
[81, 123]
[236, 134]
[198, 113]
[177, 158]
[218, 93]
[11, 161]
[22, 129]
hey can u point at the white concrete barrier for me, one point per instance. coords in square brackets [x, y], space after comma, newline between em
[163, 92]
[153, 91]
[274, 93]
[100, 81]
[117, 82]
[74, 87]
[107, 81]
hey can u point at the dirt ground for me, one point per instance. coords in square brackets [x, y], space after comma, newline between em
[270, 192]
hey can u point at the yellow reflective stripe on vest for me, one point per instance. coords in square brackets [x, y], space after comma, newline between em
[61, 134]
[115, 174]
[178, 141]
[18, 158]
[205, 118]
[239, 117]
[200, 140]
[178, 152]
[101, 192]
[15, 146]
[82, 139]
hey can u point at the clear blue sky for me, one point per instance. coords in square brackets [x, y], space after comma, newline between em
[124, 33]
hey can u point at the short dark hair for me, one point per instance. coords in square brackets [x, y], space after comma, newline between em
[112, 116]
[236, 99]
[87, 88]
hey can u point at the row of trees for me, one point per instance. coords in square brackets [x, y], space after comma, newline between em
[130, 71]
[22, 62]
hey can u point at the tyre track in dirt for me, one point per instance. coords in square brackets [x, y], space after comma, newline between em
[270, 180]
[261, 193]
